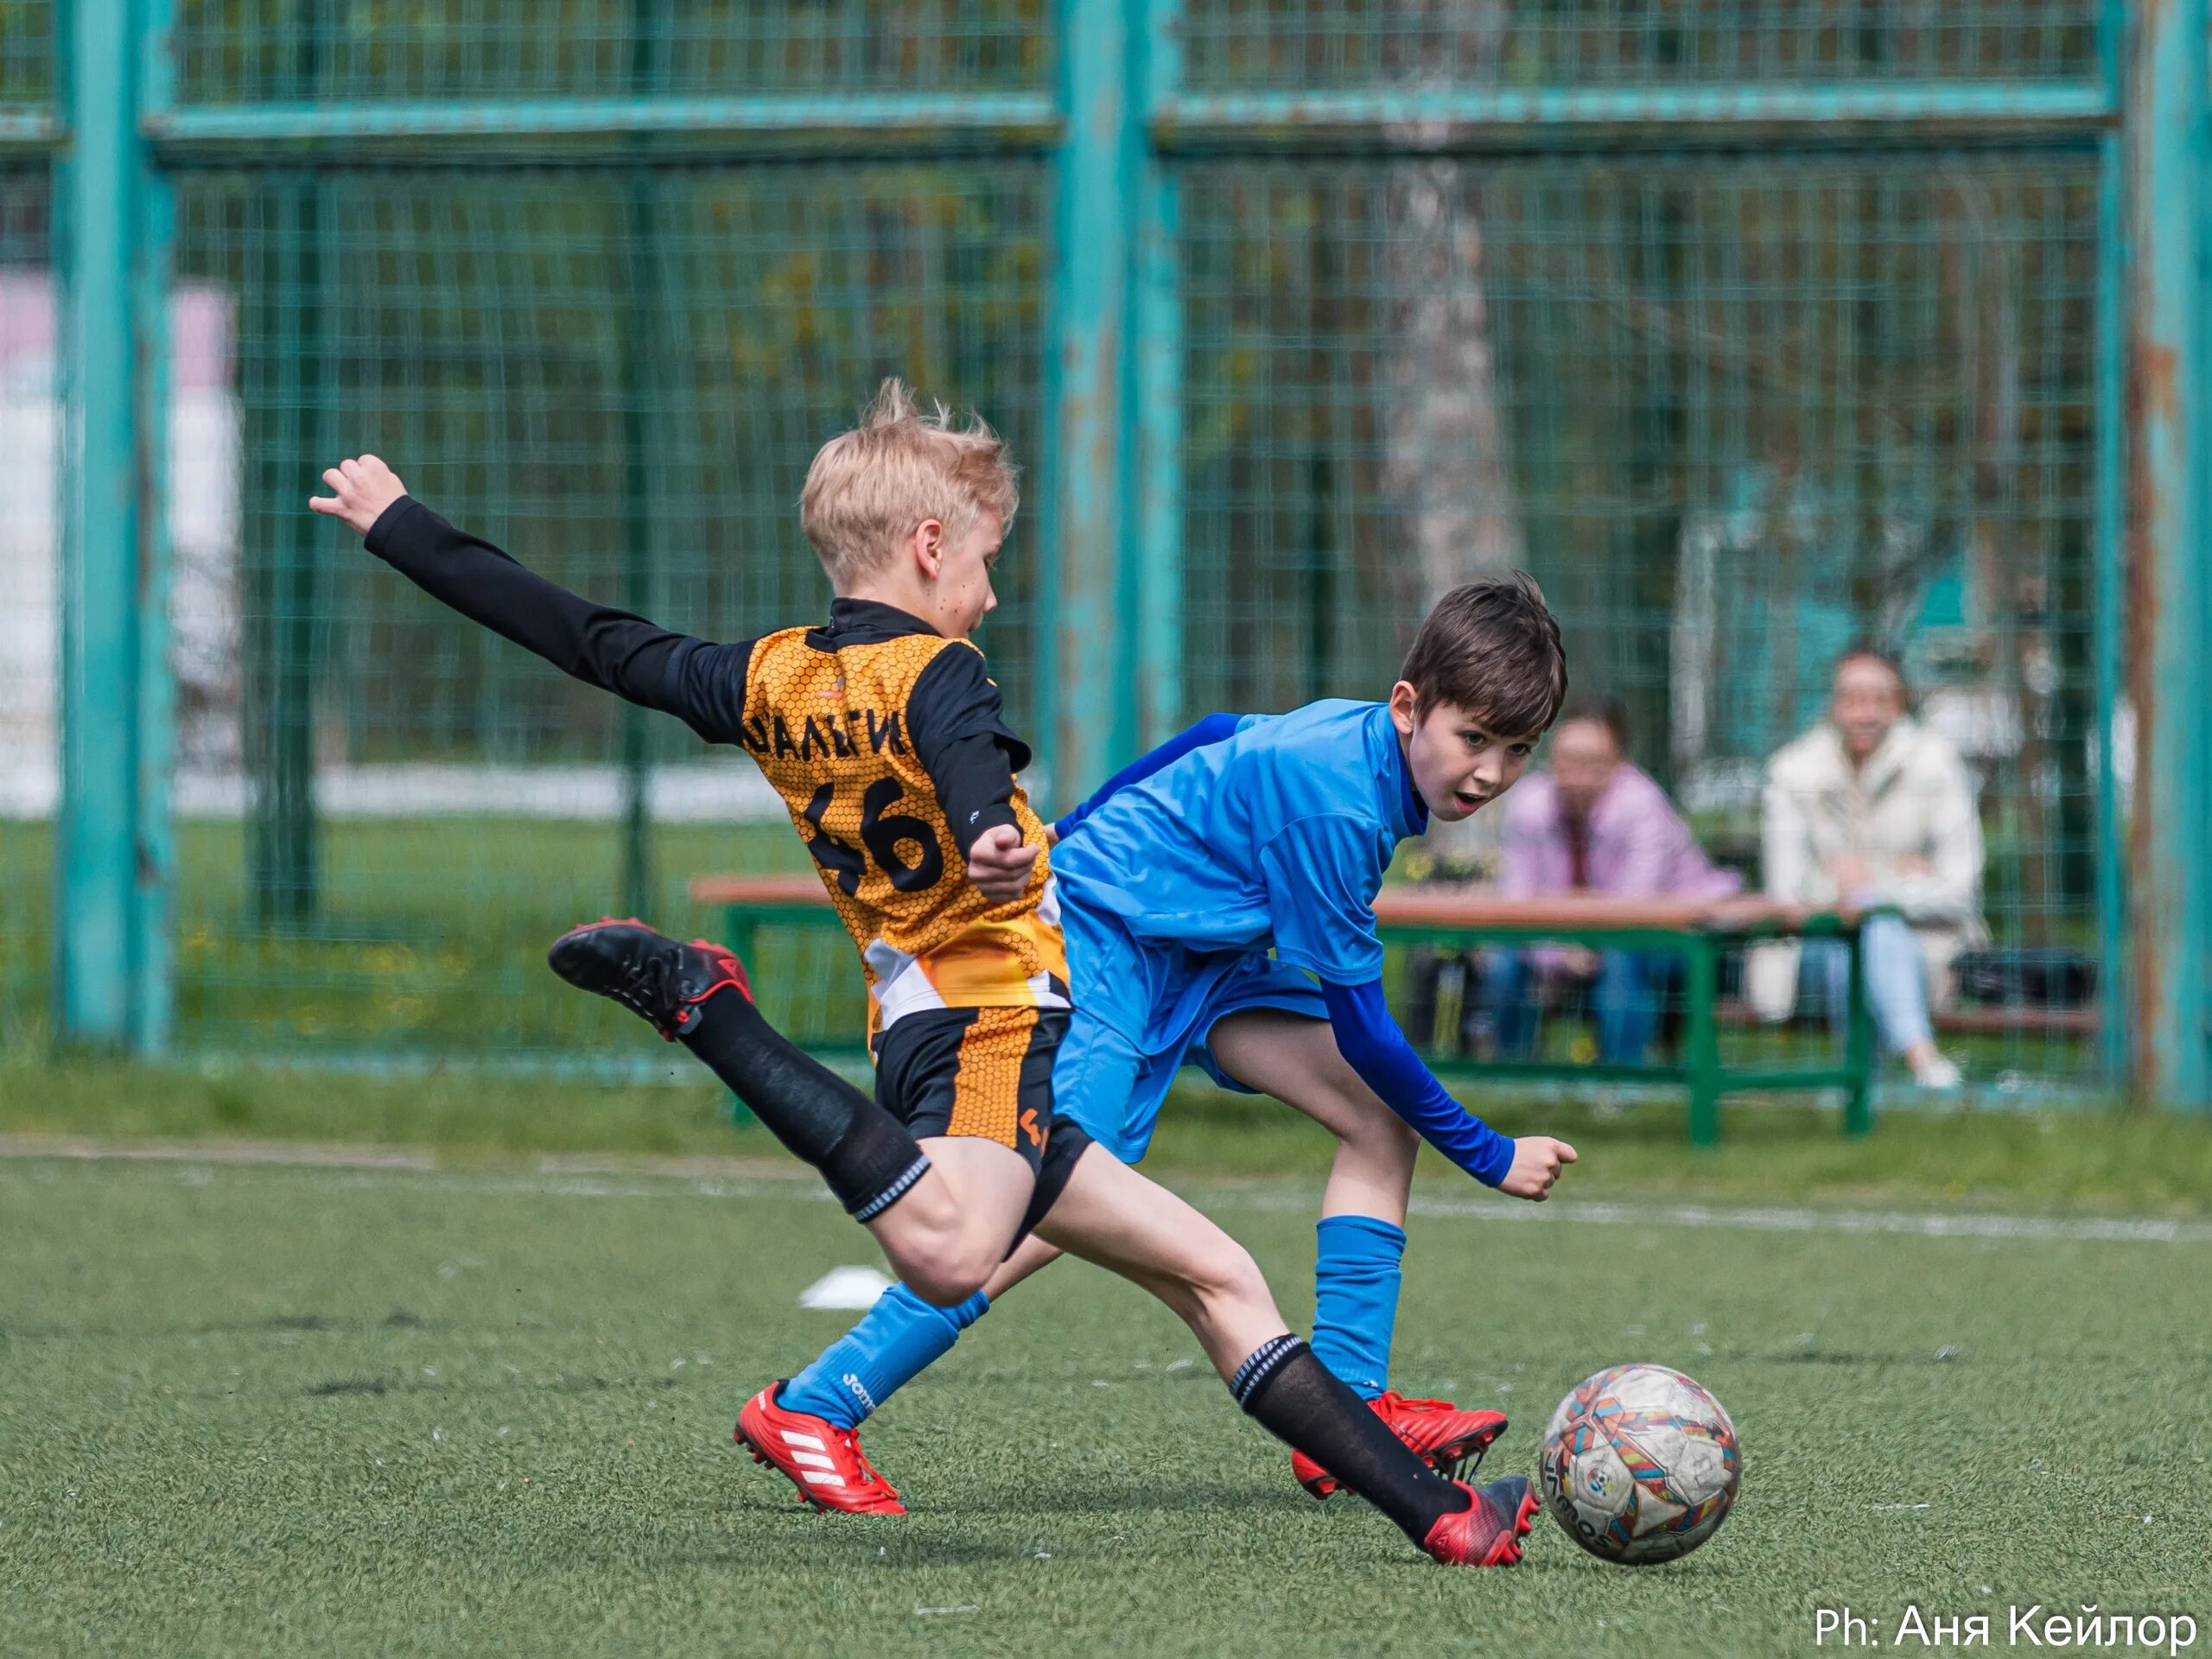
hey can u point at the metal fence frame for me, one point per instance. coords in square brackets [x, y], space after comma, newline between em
[1120, 117]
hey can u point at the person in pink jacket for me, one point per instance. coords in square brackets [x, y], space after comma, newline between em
[1594, 823]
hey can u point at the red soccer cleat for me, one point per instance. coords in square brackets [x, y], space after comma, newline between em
[1488, 1533]
[824, 1461]
[1450, 1441]
[648, 973]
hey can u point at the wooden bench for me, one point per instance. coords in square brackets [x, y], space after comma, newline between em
[2000, 1018]
[1698, 932]
[1978, 1020]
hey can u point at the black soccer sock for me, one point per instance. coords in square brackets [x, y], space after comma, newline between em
[863, 1153]
[1302, 1402]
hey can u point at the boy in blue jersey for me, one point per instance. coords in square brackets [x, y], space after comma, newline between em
[1242, 837]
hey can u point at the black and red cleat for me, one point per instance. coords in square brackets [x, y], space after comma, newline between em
[1489, 1531]
[648, 973]
[1451, 1441]
[823, 1460]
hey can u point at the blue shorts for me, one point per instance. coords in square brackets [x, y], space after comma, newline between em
[1142, 1010]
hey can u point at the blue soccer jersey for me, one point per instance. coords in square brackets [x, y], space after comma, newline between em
[1235, 876]
[1276, 836]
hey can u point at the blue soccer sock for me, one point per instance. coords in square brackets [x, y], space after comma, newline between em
[898, 1339]
[1356, 1276]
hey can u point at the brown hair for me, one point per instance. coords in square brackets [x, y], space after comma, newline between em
[1492, 648]
[1865, 651]
[1598, 711]
[901, 466]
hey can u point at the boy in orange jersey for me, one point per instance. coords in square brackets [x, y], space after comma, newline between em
[884, 736]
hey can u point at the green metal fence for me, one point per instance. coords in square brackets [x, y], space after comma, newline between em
[1749, 325]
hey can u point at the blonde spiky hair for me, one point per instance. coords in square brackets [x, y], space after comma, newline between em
[901, 466]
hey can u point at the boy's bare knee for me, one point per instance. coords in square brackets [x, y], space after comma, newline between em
[942, 1288]
[954, 1268]
[1378, 1131]
[1230, 1275]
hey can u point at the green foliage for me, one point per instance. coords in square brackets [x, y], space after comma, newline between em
[26, 46]
[253, 50]
[1330, 45]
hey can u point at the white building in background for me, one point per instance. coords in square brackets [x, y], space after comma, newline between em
[206, 492]
[204, 498]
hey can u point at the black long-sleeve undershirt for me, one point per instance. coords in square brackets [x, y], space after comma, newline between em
[954, 715]
[701, 683]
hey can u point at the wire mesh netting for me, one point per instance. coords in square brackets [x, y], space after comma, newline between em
[28, 567]
[620, 377]
[247, 51]
[1736, 411]
[26, 52]
[1735, 414]
[1333, 45]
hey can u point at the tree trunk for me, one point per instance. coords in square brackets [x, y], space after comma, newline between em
[1446, 441]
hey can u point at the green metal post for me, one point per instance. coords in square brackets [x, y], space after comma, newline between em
[2109, 553]
[2172, 885]
[282, 833]
[1858, 1043]
[290, 439]
[1089, 697]
[639, 371]
[112, 857]
[1704, 1041]
[153, 1003]
[786, 126]
[1154, 447]
[153, 955]
[1633, 119]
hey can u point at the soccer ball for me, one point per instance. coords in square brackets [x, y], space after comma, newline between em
[1640, 1464]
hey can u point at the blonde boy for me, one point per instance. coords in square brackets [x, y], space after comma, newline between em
[886, 739]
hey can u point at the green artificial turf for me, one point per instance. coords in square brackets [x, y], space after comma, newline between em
[272, 1411]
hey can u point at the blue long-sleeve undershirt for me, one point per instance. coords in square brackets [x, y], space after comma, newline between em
[1214, 729]
[1370, 1039]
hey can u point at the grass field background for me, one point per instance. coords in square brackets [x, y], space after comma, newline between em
[429, 943]
[2098, 1162]
[487, 1410]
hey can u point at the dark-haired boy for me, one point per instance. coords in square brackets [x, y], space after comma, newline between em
[1217, 898]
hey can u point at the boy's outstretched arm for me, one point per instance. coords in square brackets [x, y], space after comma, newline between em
[1321, 874]
[1371, 1042]
[701, 683]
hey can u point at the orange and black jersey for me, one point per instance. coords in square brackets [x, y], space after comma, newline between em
[885, 740]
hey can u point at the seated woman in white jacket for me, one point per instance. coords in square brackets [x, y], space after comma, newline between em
[1870, 807]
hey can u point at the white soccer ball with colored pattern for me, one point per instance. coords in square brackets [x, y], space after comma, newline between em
[1640, 1464]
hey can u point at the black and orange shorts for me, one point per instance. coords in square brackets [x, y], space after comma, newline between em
[985, 1072]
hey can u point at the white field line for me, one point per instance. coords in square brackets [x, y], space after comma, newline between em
[377, 1166]
[1768, 1219]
